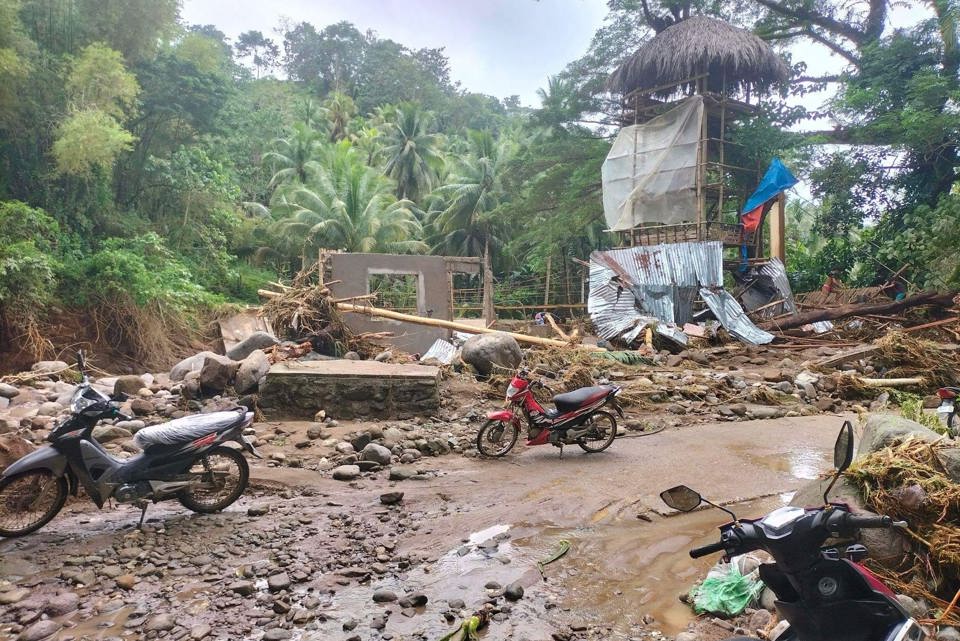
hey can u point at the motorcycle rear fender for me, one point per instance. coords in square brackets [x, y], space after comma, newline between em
[506, 416]
[46, 458]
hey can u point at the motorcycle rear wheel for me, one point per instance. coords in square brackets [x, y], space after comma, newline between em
[601, 436]
[224, 473]
[29, 500]
[496, 438]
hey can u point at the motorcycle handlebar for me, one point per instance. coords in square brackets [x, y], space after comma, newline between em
[696, 553]
[871, 521]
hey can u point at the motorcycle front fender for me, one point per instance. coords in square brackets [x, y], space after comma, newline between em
[506, 416]
[46, 458]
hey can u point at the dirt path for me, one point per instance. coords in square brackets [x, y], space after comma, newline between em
[468, 525]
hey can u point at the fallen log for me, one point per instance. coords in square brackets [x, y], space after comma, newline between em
[837, 313]
[460, 327]
[891, 382]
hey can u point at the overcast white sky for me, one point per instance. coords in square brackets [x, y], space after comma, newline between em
[498, 47]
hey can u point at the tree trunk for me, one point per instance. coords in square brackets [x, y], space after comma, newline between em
[489, 314]
[836, 313]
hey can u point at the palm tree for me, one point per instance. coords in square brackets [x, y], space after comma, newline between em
[413, 155]
[293, 157]
[339, 109]
[348, 206]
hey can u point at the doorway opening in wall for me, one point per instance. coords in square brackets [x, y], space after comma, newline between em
[397, 292]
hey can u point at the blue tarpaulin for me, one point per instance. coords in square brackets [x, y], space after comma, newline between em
[778, 178]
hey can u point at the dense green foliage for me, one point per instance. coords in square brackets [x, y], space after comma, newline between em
[149, 161]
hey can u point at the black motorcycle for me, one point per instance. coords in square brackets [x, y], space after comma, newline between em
[186, 459]
[823, 596]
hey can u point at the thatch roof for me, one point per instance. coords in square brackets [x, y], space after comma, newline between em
[695, 46]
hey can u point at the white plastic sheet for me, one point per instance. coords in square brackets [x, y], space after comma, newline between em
[649, 175]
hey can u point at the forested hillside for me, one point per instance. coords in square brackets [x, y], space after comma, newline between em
[152, 170]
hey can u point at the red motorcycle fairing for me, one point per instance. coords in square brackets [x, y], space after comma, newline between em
[506, 416]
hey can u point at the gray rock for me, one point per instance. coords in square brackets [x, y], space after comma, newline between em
[384, 596]
[63, 602]
[160, 622]
[50, 408]
[48, 367]
[514, 591]
[277, 634]
[278, 582]
[191, 364]
[948, 634]
[200, 631]
[376, 453]
[383, 356]
[402, 472]
[315, 431]
[913, 608]
[253, 342]
[686, 636]
[14, 596]
[764, 412]
[133, 426]
[243, 588]
[352, 356]
[141, 407]
[346, 472]
[107, 433]
[489, 352]
[882, 430]
[217, 374]
[391, 498]
[128, 384]
[40, 630]
[414, 600]
[251, 371]
[8, 391]
[768, 600]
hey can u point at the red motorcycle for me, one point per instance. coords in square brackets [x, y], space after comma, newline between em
[578, 418]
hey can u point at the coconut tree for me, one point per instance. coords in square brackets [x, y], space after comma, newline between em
[347, 206]
[413, 154]
[293, 157]
[339, 109]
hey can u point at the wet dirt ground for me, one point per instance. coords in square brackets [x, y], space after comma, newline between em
[466, 530]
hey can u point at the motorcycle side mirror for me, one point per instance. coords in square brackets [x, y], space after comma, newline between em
[842, 456]
[681, 498]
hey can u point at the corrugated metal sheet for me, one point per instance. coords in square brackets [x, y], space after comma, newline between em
[776, 271]
[728, 311]
[635, 287]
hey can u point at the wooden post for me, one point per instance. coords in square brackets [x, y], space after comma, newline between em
[546, 293]
[489, 314]
[778, 221]
[453, 304]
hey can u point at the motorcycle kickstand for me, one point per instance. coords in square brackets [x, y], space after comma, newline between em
[143, 514]
[561, 450]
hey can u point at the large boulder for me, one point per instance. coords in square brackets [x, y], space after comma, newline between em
[12, 447]
[253, 342]
[376, 453]
[883, 430]
[129, 384]
[190, 364]
[251, 371]
[489, 352]
[216, 374]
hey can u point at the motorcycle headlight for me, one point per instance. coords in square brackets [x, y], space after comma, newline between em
[511, 391]
[80, 403]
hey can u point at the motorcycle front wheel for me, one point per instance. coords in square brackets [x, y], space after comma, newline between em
[220, 476]
[29, 500]
[496, 438]
[603, 429]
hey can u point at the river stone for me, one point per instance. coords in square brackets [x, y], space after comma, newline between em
[514, 591]
[384, 596]
[346, 472]
[48, 367]
[200, 631]
[50, 408]
[191, 364]
[8, 391]
[216, 374]
[160, 622]
[882, 430]
[391, 498]
[40, 630]
[277, 634]
[243, 588]
[278, 582]
[251, 371]
[376, 453]
[253, 342]
[128, 384]
[486, 352]
[14, 596]
[107, 433]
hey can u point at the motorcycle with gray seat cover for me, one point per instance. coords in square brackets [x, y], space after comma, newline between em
[187, 459]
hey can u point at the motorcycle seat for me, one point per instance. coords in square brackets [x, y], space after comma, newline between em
[186, 429]
[578, 398]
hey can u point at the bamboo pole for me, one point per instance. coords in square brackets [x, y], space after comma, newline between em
[460, 327]
[892, 382]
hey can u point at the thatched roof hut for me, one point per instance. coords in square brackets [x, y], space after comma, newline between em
[731, 57]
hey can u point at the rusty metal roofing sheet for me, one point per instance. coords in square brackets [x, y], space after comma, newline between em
[728, 311]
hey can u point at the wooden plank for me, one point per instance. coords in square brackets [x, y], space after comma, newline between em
[865, 351]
